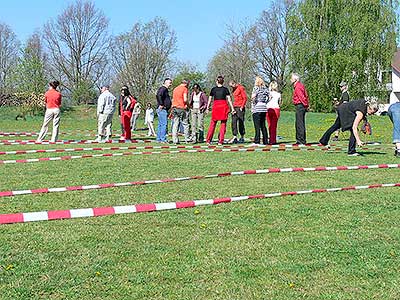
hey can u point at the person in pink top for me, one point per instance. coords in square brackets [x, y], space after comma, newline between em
[53, 104]
[274, 111]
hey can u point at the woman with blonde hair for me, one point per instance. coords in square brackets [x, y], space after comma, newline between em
[274, 111]
[260, 98]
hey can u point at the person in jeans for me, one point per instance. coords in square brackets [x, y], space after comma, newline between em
[260, 98]
[53, 104]
[126, 104]
[198, 104]
[105, 112]
[149, 120]
[274, 111]
[163, 106]
[301, 102]
[220, 110]
[394, 115]
[239, 105]
[349, 117]
[180, 111]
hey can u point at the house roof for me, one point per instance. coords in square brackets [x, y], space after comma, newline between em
[396, 60]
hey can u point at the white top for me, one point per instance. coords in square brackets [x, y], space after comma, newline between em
[393, 98]
[137, 109]
[106, 103]
[196, 100]
[274, 99]
[149, 116]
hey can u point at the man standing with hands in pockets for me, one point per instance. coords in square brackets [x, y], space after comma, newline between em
[105, 112]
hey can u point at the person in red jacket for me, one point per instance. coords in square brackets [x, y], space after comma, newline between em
[239, 105]
[53, 104]
[301, 102]
[126, 104]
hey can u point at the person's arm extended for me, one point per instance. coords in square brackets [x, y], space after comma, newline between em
[357, 120]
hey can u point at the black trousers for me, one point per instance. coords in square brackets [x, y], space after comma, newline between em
[300, 124]
[238, 118]
[259, 125]
[336, 126]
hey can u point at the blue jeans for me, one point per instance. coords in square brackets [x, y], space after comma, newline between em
[162, 125]
[394, 114]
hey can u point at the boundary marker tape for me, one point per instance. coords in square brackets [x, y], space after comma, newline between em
[224, 174]
[151, 207]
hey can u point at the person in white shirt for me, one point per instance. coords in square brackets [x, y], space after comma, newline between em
[274, 111]
[135, 115]
[149, 119]
[198, 105]
[105, 112]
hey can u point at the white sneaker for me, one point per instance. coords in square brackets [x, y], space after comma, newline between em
[354, 154]
[254, 145]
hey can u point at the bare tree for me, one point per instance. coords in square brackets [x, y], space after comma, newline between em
[78, 43]
[142, 57]
[269, 39]
[234, 60]
[9, 47]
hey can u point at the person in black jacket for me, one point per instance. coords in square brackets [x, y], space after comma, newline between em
[349, 117]
[163, 106]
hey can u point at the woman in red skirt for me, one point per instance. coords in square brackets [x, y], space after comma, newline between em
[126, 105]
[220, 109]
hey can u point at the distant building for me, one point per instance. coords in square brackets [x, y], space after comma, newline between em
[395, 94]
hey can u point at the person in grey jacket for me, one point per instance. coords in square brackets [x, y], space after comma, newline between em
[105, 111]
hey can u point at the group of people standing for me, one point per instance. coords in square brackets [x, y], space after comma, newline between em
[189, 110]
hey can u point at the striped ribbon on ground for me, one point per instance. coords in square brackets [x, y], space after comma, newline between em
[151, 207]
[224, 174]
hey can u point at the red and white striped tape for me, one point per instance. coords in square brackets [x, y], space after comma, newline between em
[151, 207]
[224, 174]
[16, 152]
[59, 150]
[219, 150]
[67, 142]
[216, 150]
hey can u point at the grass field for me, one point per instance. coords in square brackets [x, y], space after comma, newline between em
[343, 245]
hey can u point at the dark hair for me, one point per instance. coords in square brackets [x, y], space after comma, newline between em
[125, 91]
[167, 79]
[54, 84]
[220, 79]
[197, 86]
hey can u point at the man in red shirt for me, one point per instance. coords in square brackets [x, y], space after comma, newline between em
[301, 101]
[239, 104]
[180, 111]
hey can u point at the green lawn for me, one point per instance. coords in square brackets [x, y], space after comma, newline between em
[343, 245]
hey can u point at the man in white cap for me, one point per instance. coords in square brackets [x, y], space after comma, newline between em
[105, 112]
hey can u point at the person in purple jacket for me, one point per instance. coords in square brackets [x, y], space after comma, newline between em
[198, 105]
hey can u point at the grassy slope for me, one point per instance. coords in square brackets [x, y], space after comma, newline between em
[343, 245]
